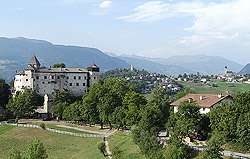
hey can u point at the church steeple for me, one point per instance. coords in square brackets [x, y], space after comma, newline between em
[34, 63]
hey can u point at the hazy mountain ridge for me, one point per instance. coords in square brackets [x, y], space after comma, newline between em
[16, 53]
[195, 63]
[245, 70]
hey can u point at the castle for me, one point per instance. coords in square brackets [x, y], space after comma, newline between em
[44, 80]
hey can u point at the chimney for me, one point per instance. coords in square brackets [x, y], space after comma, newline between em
[201, 97]
[190, 100]
[219, 95]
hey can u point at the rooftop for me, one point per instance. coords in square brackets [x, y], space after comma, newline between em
[208, 100]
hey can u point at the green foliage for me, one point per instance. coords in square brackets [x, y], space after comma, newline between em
[61, 96]
[23, 104]
[151, 117]
[59, 65]
[185, 120]
[161, 99]
[58, 109]
[213, 151]
[176, 149]
[14, 154]
[182, 94]
[72, 112]
[116, 153]
[42, 125]
[36, 150]
[5, 93]
[101, 147]
[231, 121]
[148, 143]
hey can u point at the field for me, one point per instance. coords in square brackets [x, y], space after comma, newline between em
[129, 150]
[57, 145]
[224, 88]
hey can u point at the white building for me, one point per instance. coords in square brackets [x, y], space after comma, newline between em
[44, 80]
[205, 101]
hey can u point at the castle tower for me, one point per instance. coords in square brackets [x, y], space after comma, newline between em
[132, 68]
[34, 63]
[225, 70]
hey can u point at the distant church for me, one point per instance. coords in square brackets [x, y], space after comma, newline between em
[44, 80]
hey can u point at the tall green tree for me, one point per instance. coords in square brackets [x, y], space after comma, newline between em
[59, 65]
[58, 109]
[161, 99]
[182, 94]
[5, 93]
[23, 104]
[61, 96]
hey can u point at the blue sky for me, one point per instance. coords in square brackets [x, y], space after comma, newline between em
[148, 28]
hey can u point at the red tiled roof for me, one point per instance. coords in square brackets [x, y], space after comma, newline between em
[208, 100]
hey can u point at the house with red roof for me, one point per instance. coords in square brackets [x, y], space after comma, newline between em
[205, 101]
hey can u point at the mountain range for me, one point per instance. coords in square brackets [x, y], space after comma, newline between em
[15, 54]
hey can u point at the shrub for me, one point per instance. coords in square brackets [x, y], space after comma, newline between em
[42, 125]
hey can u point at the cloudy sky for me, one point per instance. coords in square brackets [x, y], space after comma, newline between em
[148, 28]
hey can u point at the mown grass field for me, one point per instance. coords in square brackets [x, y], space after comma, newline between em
[129, 150]
[224, 88]
[59, 146]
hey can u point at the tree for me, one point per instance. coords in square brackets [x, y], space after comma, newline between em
[151, 117]
[176, 149]
[185, 120]
[61, 96]
[5, 93]
[58, 109]
[36, 150]
[23, 104]
[59, 65]
[148, 143]
[72, 112]
[213, 151]
[160, 97]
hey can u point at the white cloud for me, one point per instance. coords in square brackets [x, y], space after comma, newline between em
[105, 4]
[209, 19]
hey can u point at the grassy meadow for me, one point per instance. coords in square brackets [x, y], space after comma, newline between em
[223, 87]
[59, 146]
[129, 150]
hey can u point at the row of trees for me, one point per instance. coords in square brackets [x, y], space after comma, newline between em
[114, 102]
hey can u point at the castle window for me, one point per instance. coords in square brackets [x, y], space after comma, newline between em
[67, 77]
[48, 82]
[204, 109]
[94, 77]
[58, 77]
[42, 82]
[74, 77]
[77, 84]
[79, 77]
[70, 84]
[37, 77]
[26, 79]
[55, 82]
[85, 77]
[45, 77]
[52, 77]
[83, 84]
[36, 84]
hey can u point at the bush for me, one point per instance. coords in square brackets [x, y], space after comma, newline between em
[36, 150]
[14, 154]
[42, 125]
[102, 148]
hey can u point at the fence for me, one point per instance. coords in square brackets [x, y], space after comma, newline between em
[53, 130]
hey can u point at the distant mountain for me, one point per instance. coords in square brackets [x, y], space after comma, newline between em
[15, 53]
[150, 66]
[245, 70]
[199, 63]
